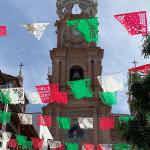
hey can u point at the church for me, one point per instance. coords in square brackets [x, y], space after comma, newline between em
[75, 59]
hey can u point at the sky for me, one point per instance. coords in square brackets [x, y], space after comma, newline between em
[120, 49]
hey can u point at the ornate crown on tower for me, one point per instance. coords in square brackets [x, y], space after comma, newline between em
[88, 7]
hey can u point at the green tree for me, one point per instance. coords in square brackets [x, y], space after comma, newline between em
[146, 46]
[136, 130]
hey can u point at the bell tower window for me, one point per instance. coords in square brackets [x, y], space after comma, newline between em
[76, 73]
[76, 9]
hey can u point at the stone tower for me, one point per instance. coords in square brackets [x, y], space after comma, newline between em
[74, 58]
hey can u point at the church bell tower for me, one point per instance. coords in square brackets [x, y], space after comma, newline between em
[75, 59]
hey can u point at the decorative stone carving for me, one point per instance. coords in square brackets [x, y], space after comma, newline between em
[88, 7]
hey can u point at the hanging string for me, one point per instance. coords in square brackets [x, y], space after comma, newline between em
[53, 22]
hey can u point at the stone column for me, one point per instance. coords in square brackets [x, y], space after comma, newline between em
[63, 74]
[56, 71]
[57, 128]
[89, 67]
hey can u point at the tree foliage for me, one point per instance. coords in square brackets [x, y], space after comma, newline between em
[137, 130]
[146, 46]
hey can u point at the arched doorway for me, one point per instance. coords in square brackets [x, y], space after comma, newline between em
[76, 133]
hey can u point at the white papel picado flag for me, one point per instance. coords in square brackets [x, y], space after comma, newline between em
[45, 133]
[25, 118]
[12, 96]
[33, 97]
[4, 138]
[85, 123]
[111, 83]
[36, 29]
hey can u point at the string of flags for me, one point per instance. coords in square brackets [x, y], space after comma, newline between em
[38, 143]
[105, 123]
[50, 93]
[80, 89]
[134, 22]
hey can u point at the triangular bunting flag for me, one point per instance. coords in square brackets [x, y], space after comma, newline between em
[25, 118]
[45, 133]
[135, 23]
[88, 28]
[36, 29]
[108, 98]
[104, 147]
[5, 117]
[12, 96]
[121, 147]
[37, 143]
[4, 139]
[80, 88]
[111, 83]
[106, 123]
[71, 146]
[64, 123]
[125, 119]
[4, 96]
[54, 144]
[12, 143]
[85, 123]
[21, 140]
[88, 147]
[142, 69]
[59, 148]
[3, 31]
[45, 146]
[28, 145]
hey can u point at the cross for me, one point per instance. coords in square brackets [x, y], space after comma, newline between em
[134, 62]
[21, 65]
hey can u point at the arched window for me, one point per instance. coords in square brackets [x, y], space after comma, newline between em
[76, 73]
[76, 9]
